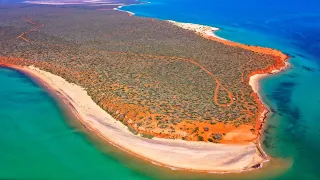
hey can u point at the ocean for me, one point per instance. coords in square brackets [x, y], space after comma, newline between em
[38, 141]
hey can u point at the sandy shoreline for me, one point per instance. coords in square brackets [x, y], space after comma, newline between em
[118, 9]
[175, 154]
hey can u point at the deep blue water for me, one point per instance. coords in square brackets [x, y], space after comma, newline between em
[293, 23]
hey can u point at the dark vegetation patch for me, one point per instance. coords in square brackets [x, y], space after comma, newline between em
[148, 74]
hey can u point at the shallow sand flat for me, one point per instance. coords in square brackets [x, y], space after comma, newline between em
[198, 156]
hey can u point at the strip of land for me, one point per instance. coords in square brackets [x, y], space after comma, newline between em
[177, 154]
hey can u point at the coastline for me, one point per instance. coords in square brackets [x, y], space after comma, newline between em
[174, 154]
[128, 12]
[281, 63]
[118, 9]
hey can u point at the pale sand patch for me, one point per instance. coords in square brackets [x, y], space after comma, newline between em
[198, 29]
[177, 154]
[254, 80]
[118, 9]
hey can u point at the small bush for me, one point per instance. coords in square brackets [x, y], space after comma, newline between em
[131, 129]
[217, 137]
[196, 129]
[149, 136]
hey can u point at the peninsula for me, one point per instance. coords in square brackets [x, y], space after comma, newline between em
[171, 93]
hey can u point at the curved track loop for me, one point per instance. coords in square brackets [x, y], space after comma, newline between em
[216, 91]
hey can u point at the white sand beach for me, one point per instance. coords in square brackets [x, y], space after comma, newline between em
[198, 29]
[176, 154]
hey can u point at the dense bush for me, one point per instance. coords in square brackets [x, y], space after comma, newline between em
[135, 68]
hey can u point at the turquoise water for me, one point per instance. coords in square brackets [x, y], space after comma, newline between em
[37, 142]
